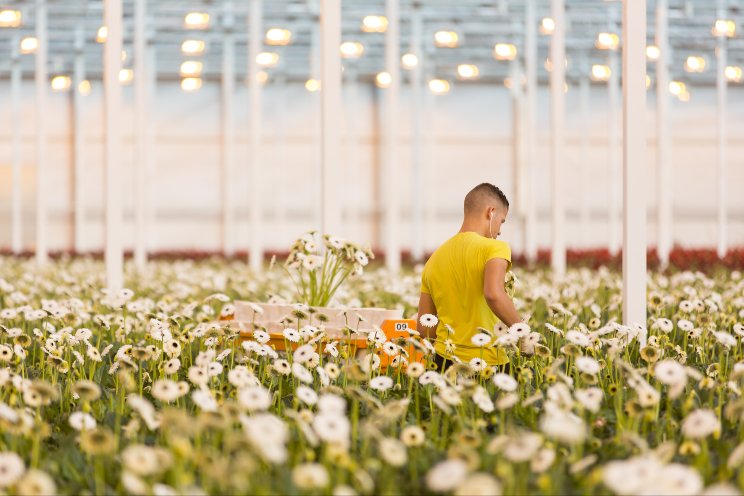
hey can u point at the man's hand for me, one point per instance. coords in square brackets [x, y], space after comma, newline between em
[498, 300]
[426, 305]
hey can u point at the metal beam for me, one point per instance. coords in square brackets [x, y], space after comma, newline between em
[228, 133]
[112, 148]
[557, 158]
[417, 249]
[330, 96]
[42, 224]
[141, 161]
[530, 61]
[634, 163]
[78, 137]
[613, 157]
[390, 162]
[721, 85]
[255, 42]
[16, 233]
[663, 147]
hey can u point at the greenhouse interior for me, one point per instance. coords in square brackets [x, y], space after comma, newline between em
[468, 247]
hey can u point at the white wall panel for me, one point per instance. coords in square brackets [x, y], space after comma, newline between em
[472, 144]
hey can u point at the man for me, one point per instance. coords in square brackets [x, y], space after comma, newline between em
[463, 283]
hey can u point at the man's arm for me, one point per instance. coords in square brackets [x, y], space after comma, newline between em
[498, 300]
[426, 305]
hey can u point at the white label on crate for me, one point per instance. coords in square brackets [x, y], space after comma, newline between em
[401, 326]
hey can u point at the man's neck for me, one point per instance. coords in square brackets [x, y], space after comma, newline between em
[469, 227]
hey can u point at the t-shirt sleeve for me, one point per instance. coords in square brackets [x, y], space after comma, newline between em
[498, 249]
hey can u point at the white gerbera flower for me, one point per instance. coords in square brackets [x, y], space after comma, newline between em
[505, 382]
[670, 372]
[428, 320]
[519, 329]
[590, 398]
[11, 468]
[446, 475]
[588, 365]
[301, 373]
[700, 423]
[578, 338]
[479, 484]
[308, 476]
[306, 395]
[332, 428]
[412, 436]
[303, 353]
[36, 482]
[255, 398]
[81, 421]
[140, 459]
[165, 390]
[292, 335]
[481, 339]
[564, 427]
[381, 383]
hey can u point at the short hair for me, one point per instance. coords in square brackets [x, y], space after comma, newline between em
[479, 197]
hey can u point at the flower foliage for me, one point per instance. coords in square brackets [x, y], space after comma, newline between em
[152, 389]
[317, 271]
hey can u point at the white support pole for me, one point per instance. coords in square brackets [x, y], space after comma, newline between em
[634, 163]
[316, 162]
[151, 149]
[584, 161]
[255, 41]
[350, 208]
[392, 96]
[79, 127]
[228, 133]
[141, 203]
[613, 157]
[663, 145]
[557, 92]
[42, 223]
[417, 218]
[518, 138]
[721, 84]
[330, 95]
[113, 253]
[530, 61]
[16, 234]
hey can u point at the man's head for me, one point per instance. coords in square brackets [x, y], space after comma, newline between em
[486, 207]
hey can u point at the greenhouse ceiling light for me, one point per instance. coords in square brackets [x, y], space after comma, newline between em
[84, 87]
[724, 27]
[504, 51]
[446, 39]
[191, 84]
[191, 68]
[374, 24]
[653, 52]
[547, 26]
[467, 71]
[196, 20]
[102, 34]
[351, 49]
[677, 88]
[409, 61]
[733, 74]
[193, 47]
[267, 59]
[312, 85]
[278, 37]
[439, 86]
[10, 18]
[126, 76]
[29, 44]
[684, 97]
[61, 83]
[262, 77]
[383, 79]
[601, 72]
[607, 41]
[695, 63]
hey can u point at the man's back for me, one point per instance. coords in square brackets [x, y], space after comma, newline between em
[454, 276]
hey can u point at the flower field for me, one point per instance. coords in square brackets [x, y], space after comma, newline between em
[150, 390]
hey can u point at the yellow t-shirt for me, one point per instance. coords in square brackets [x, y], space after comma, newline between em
[453, 276]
